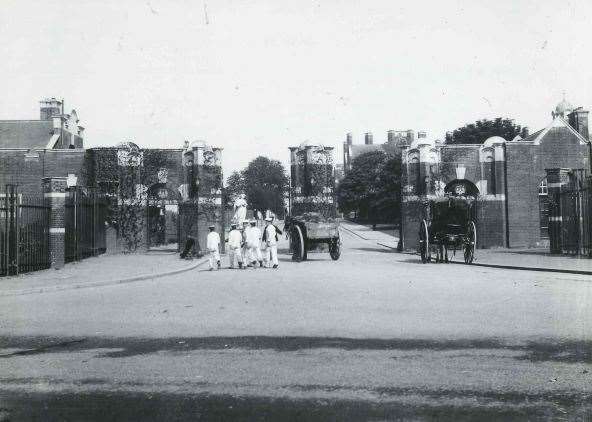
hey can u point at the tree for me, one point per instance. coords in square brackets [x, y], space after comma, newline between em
[388, 193]
[478, 132]
[264, 181]
[372, 187]
[235, 185]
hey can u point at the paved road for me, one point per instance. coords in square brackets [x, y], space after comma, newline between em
[374, 336]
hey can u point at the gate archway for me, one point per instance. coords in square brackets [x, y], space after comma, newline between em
[461, 187]
[162, 217]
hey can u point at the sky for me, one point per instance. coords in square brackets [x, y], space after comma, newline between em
[255, 77]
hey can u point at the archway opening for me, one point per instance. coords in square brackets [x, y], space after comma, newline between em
[162, 217]
[461, 187]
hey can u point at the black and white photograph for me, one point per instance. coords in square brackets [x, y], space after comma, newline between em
[310, 210]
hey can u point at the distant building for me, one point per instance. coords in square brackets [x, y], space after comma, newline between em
[509, 177]
[31, 149]
[396, 141]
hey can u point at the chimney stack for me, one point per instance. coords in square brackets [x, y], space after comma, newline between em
[410, 137]
[49, 107]
[390, 136]
[449, 137]
[525, 132]
[578, 119]
[368, 138]
[349, 139]
[421, 134]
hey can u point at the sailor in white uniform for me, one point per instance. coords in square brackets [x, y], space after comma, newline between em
[235, 240]
[213, 247]
[253, 244]
[270, 237]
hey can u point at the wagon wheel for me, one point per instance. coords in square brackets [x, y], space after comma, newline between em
[471, 242]
[297, 244]
[335, 248]
[424, 242]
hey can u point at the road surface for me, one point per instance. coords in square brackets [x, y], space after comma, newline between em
[374, 336]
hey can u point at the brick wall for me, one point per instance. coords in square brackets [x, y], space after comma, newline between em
[26, 169]
[466, 156]
[526, 164]
[490, 223]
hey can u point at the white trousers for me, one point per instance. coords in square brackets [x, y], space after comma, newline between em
[255, 254]
[213, 258]
[271, 257]
[235, 252]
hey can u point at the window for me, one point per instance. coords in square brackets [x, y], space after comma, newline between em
[543, 190]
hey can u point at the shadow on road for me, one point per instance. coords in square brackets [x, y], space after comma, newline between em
[151, 406]
[566, 351]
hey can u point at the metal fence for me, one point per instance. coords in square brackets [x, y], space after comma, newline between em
[24, 232]
[574, 234]
[85, 214]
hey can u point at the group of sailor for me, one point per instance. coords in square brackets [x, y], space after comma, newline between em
[247, 245]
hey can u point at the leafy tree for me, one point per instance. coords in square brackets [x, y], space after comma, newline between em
[372, 187]
[387, 199]
[478, 132]
[235, 185]
[264, 182]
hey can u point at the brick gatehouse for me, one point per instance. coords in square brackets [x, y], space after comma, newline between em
[508, 176]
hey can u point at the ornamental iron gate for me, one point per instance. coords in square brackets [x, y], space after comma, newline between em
[570, 229]
[85, 217]
[24, 232]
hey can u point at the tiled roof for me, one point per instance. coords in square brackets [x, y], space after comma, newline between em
[558, 122]
[25, 133]
[532, 136]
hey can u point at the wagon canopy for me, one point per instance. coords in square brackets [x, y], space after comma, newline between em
[449, 211]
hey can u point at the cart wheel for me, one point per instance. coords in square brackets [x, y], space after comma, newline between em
[470, 243]
[424, 242]
[297, 244]
[335, 249]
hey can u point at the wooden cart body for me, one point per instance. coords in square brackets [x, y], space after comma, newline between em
[308, 231]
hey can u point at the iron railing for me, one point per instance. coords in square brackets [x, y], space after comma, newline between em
[574, 233]
[85, 214]
[24, 232]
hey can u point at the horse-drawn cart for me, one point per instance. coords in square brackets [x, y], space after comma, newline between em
[311, 230]
[449, 225]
